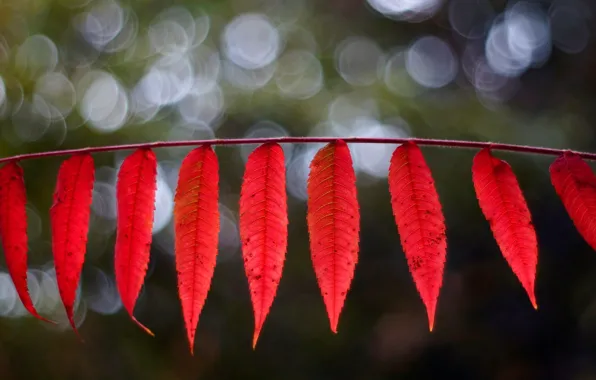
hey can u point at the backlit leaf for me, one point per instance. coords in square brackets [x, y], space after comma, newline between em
[420, 222]
[333, 224]
[264, 227]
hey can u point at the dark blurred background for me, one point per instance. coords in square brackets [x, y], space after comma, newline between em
[77, 73]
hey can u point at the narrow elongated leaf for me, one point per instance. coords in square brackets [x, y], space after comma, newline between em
[333, 224]
[196, 223]
[575, 184]
[135, 192]
[505, 208]
[13, 230]
[420, 222]
[69, 217]
[264, 227]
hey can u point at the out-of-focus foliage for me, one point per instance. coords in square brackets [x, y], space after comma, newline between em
[76, 73]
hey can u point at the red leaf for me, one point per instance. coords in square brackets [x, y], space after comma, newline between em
[13, 230]
[196, 222]
[135, 192]
[505, 208]
[264, 227]
[69, 217]
[575, 184]
[333, 224]
[420, 222]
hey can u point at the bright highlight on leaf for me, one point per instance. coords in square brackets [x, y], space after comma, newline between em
[135, 192]
[420, 222]
[333, 224]
[196, 223]
[505, 208]
[264, 227]
[575, 184]
[13, 230]
[69, 217]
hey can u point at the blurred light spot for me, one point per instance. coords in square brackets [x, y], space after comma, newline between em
[374, 159]
[102, 23]
[431, 62]
[298, 38]
[13, 98]
[251, 41]
[471, 19]
[168, 37]
[518, 40]
[570, 31]
[105, 104]
[75, 51]
[2, 92]
[181, 16]
[282, 11]
[194, 131]
[357, 59]
[4, 51]
[409, 10]
[529, 32]
[143, 109]
[36, 56]
[74, 3]
[50, 299]
[204, 108]
[31, 121]
[57, 91]
[396, 77]
[299, 74]
[104, 200]
[206, 66]
[346, 109]
[101, 293]
[8, 295]
[168, 80]
[265, 128]
[202, 26]
[34, 291]
[126, 35]
[247, 80]
[499, 54]
[298, 169]
[164, 204]
[170, 169]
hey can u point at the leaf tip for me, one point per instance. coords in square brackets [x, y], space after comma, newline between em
[142, 326]
[34, 313]
[334, 321]
[430, 311]
[255, 338]
[74, 326]
[533, 301]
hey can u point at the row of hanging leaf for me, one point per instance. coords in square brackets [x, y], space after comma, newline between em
[333, 220]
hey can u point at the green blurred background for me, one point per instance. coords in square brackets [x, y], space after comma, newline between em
[78, 73]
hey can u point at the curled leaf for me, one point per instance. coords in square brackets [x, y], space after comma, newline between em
[196, 223]
[505, 208]
[264, 227]
[69, 217]
[575, 184]
[420, 222]
[333, 224]
[135, 192]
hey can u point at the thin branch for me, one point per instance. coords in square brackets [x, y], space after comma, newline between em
[304, 140]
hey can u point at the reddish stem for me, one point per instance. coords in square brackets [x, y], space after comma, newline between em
[305, 140]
